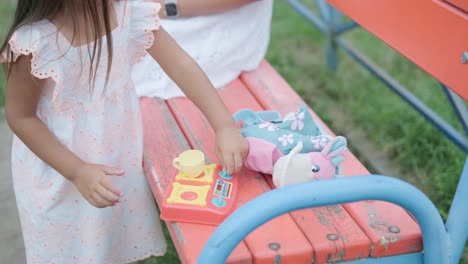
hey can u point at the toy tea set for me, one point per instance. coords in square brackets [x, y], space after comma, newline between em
[199, 193]
[292, 150]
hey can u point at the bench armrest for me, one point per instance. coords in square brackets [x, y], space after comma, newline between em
[321, 193]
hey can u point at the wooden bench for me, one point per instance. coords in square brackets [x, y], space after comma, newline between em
[318, 235]
[434, 35]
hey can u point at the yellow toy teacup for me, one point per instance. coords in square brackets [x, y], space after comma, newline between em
[191, 163]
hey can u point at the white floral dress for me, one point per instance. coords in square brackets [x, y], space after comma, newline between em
[103, 127]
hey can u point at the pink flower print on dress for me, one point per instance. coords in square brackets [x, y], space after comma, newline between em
[286, 139]
[319, 142]
[269, 126]
[297, 120]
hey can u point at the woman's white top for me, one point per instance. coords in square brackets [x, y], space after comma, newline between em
[224, 45]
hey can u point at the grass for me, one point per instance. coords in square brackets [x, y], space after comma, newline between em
[423, 155]
[6, 13]
[297, 51]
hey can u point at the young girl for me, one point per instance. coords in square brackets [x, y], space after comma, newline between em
[77, 154]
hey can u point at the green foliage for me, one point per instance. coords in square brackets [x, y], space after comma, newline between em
[6, 14]
[424, 155]
[420, 150]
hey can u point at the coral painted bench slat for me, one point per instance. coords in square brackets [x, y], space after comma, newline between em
[320, 235]
[294, 246]
[379, 220]
[431, 33]
[164, 141]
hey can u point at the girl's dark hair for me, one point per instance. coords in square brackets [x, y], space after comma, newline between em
[95, 12]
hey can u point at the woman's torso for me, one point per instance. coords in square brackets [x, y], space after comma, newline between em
[223, 45]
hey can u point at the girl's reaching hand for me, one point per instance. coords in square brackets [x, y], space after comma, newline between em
[93, 182]
[231, 148]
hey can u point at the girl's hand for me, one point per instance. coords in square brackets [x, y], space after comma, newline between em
[231, 148]
[93, 182]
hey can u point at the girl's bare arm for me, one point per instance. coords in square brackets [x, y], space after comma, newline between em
[180, 67]
[22, 95]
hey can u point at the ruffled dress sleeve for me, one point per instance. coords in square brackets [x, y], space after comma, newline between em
[34, 40]
[144, 19]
